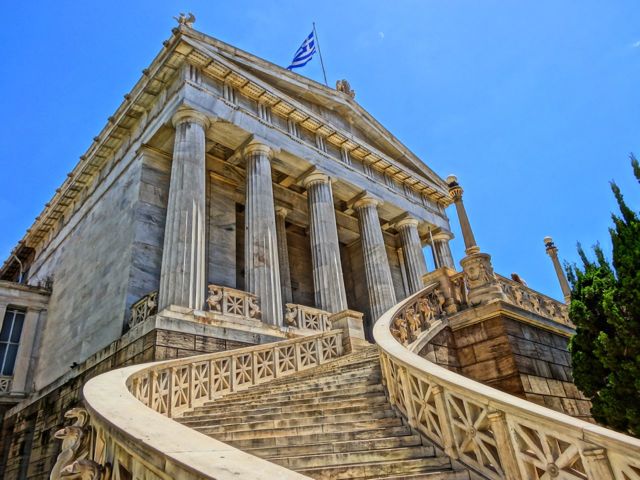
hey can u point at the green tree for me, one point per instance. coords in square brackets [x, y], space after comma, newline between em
[605, 307]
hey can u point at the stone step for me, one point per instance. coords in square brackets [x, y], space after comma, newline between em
[333, 384]
[322, 438]
[350, 458]
[378, 469]
[343, 446]
[254, 417]
[255, 426]
[225, 435]
[344, 392]
[286, 405]
[374, 398]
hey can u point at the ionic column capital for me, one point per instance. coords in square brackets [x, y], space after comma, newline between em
[192, 116]
[442, 236]
[315, 177]
[455, 190]
[407, 222]
[282, 211]
[258, 147]
[367, 201]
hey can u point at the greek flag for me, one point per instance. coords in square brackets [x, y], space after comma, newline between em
[304, 53]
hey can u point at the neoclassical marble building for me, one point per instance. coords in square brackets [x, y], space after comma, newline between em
[228, 203]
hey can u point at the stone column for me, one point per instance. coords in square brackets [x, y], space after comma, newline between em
[478, 270]
[552, 251]
[414, 262]
[382, 295]
[182, 275]
[455, 191]
[262, 270]
[283, 254]
[19, 384]
[328, 282]
[442, 251]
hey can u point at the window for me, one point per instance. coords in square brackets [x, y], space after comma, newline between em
[10, 339]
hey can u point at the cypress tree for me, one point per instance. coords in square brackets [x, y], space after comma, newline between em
[605, 307]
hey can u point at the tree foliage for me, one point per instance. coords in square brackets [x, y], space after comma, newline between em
[605, 307]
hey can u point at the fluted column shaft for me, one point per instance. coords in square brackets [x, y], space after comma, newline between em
[382, 295]
[182, 277]
[455, 192]
[414, 262]
[442, 251]
[262, 270]
[328, 282]
[283, 254]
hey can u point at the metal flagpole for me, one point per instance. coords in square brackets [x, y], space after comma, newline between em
[315, 34]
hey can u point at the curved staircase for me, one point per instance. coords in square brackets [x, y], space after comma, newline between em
[330, 422]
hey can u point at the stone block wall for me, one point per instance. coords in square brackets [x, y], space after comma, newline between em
[516, 357]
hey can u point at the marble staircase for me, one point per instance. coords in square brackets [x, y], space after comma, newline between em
[330, 422]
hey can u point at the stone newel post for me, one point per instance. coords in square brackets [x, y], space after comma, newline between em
[182, 277]
[552, 251]
[262, 270]
[414, 262]
[382, 295]
[328, 282]
[481, 280]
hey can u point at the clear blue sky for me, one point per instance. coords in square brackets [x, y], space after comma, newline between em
[534, 105]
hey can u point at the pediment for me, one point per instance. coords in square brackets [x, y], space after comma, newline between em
[333, 107]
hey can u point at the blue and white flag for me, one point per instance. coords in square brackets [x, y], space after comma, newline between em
[304, 53]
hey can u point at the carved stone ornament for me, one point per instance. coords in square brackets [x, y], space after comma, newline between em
[84, 469]
[186, 20]
[481, 281]
[344, 87]
[75, 441]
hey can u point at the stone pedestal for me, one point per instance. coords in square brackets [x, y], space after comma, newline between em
[382, 295]
[328, 281]
[283, 254]
[262, 271]
[350, 322]
[414, 262]
[182, 277]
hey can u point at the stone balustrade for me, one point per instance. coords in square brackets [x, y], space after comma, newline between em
[419, 315]
[309, 318]
[528, 299]
[143, 309]
[496, 434]
[229, 301]
[5, 384]
[130, 412]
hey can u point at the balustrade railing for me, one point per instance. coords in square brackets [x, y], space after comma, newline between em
[528, 299]
[5, 384]
[129, 432]
[144, 308]
[301, 316]
[419, 315]
[497, 434]
[229, 301]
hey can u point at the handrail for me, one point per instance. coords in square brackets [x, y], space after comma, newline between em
[307, 318]
[131, 409]
[495, 433]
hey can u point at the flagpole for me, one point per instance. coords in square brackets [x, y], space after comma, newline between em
[315, 34]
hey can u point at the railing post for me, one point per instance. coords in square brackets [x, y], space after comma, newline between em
[232, 373]
[254, 368]
[296, 347]
[192, 368]
[171, 375]
[445, 425]
[408, 398]
[153, 377]
[319, 351]
[504, 446]
[596, 463]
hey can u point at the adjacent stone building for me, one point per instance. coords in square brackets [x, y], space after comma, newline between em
[230, 202]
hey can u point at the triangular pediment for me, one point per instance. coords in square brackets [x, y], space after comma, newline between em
[336, 108]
